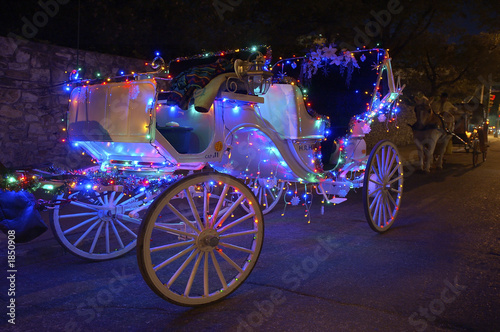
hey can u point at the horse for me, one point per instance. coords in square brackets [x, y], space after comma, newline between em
[431, 133]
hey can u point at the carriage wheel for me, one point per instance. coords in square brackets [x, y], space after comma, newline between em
[475, 152]
[97, 226]
[382, 186]
[197, 244]
[267, 191]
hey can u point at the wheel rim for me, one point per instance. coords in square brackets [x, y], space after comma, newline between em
[97, 226]
[267, 191]
[197, 244]
[383, 186]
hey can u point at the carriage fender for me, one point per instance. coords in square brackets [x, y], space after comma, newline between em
[284, 148]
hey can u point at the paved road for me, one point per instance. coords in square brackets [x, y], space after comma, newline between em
[437, 269]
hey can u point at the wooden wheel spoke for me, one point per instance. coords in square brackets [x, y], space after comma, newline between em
[173, 230]
[172, 245]
[193, 273]
[395, 179]
[106, 234]
[206, 288]
[218, 270]
[85, 205]
[181, 217]
[76, 215]
[182, 267]
[173, 258]
[83, 223]
[229, 260]
[230, 211]
[77, 242]
[122, 225]
[396, 167]
[379, 188]
[219, 204]
[236, 222]
[390, 163]
[232, 246]
[392, 201]
[375, 200]
[118, 238]
[96, 237]
[194, 210]
[226, 236]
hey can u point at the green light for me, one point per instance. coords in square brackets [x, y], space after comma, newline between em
[254, 48]
[48, 187]
[11, 179]
[148, 136]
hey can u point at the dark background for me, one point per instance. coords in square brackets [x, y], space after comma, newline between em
[438, 45]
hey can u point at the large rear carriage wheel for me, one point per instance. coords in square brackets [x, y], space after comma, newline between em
[200, 239]
[382, 186]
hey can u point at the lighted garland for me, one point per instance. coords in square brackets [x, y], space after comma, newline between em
[17, 181]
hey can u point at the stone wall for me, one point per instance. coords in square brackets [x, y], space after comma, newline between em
[33, 101]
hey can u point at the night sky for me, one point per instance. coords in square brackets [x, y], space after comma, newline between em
[138, 28]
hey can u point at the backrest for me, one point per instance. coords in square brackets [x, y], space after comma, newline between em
[113, 112]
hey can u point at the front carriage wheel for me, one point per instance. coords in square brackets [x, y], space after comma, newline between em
[200, 239]
[97, 226]
[382, 186]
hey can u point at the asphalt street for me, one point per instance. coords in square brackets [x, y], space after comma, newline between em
[436, 269]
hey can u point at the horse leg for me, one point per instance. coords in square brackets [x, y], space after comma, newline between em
[420, 149]
[429, 153]
[443, 143]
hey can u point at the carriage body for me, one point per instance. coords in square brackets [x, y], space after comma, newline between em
[201, 236]
[130, 125]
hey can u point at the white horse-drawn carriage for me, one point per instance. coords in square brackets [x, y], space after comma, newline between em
[249, 132]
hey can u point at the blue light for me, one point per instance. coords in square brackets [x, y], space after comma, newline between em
[122, 72]
[150, 102]
[75, 144]
[172, 108]
[142, 188]
[88, 186]
[236, 109]
[67, 88]
[289, 193]
[157, 53]
[356, 91]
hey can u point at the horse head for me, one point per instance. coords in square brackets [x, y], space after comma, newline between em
[423, 112]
